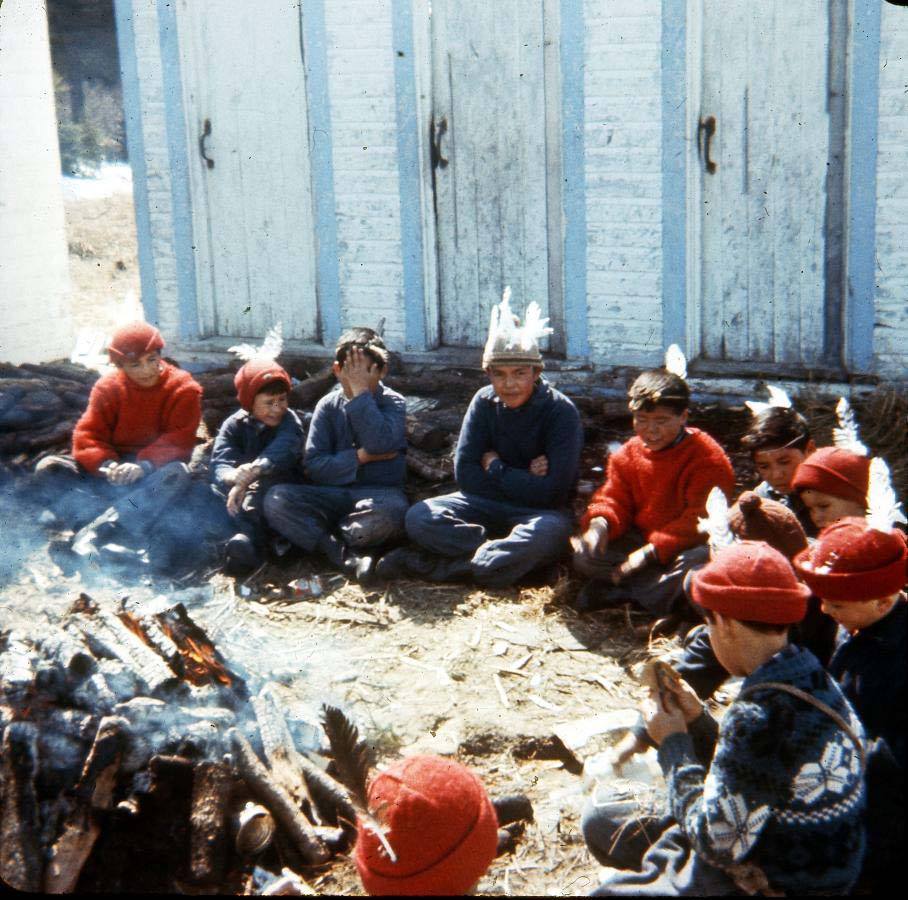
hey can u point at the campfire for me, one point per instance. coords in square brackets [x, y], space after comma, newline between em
[134, 757]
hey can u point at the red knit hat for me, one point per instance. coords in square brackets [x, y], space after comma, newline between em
[839, 473]
[752, 582]
[253, 376]
[133, 340]
[852, 561]
[440, 824]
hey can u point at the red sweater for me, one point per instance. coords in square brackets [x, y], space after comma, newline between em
[157, 424]
[662, 493]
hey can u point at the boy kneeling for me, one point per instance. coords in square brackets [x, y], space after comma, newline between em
[640, 529]
[770, 800]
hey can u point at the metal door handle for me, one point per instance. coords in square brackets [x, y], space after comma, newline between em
[206, 132]
[706, 128]
[437, 131]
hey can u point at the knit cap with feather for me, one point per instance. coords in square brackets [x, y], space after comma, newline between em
[511, 344]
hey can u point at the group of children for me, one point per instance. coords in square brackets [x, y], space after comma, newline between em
[805, 602]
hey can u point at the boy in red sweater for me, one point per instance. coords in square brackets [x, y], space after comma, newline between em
[137, 432]
[640, 532]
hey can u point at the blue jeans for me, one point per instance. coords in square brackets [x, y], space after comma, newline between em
[364, 516]
[504, 541]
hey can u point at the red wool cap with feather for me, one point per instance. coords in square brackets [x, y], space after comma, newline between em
[834, 471]
[752, 582]
[253, 376]
[852, 561]
[134, 340]
[438, 821]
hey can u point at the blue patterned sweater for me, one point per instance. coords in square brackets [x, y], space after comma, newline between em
[784, 788]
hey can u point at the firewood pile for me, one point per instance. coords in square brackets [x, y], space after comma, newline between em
[133, 757]
[39, 406]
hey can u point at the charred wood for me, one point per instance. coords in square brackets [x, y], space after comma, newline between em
[424, 435]
[272, 795]
[92, 795]
[21, 863]
[211, 784]
[331, 798]
[431, 468]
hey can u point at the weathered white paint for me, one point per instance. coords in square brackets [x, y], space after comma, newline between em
[146, 32]
[34, 265]
[891, 331]
[243, 73]
[623, 184]
[366, 182]
[762, 215]
[488, 80]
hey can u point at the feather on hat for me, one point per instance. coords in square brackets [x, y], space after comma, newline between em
[509, 343]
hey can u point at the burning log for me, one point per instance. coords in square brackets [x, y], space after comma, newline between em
[424, 435]
[257, 777]
[21, 861]
[93, 794]
[108, 636]
[430, 468]
[211, 787]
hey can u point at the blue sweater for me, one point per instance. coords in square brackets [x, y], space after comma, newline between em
[784, 789]
[243, 439]
[548, 423]
[872, 667]
[376, 422]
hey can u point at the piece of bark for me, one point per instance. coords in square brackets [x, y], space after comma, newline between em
[284, 761]
[93, 794]
[276, 799]
[331, 797]
[431, 468]
[211, 787]
[424, 435]
[21, 862]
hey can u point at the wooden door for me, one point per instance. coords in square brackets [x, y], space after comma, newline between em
[765, 160]
[489, 160]
[244, 85]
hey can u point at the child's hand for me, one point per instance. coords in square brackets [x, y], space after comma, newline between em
[245, 475]
[358, 371]
[662, 718]
[685, 697]
[488, 458]
[594, 541]
[363, 456]
[635, 562]
[540, 466]
[628, 746]
[235, 499]
[124, 473]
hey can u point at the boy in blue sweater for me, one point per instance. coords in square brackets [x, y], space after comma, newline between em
[355, 461]
[259, 443]
[858, 569]
[516, 463]
[771, 800]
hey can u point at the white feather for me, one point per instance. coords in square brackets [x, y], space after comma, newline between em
[883, 507]
[675, 361]
[716, 522]
[535, 327]
[270, 349]
[847, 435]
[777, 398]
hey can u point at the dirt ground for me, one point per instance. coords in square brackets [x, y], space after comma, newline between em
[485, 676]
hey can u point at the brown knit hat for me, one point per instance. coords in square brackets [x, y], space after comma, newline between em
[510, 343]
[756, 518]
